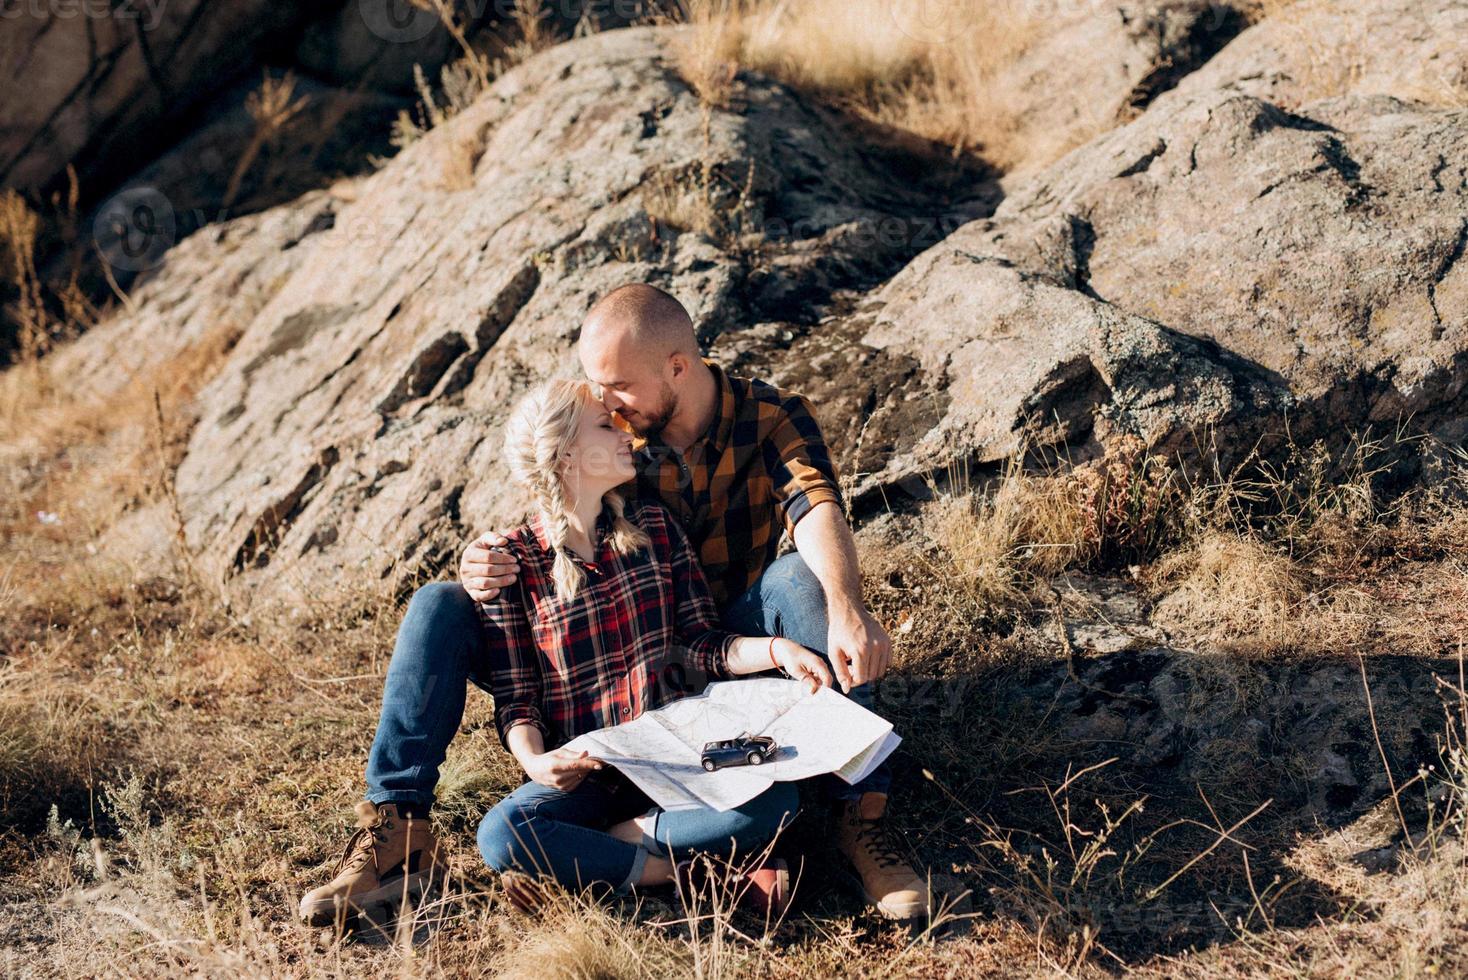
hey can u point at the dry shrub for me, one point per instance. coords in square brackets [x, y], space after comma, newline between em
[1028, 525]
[1227, 586]
[41, 314]
[533, 30]
[55, 738]
[993, 544]
[87, 460]
[833, 46]
[272, 108]
[579, 939]
[1133, 506]
[948, 80]
[708, 54]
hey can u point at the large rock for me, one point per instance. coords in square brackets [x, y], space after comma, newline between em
[1326, 246]
[1211, 266]
[103, 86]
[355, 424]
[1318, 256]
[1314, 49]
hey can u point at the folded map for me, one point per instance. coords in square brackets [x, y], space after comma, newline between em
[661, 751]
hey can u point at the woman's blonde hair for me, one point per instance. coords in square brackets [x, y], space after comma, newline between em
[538, 438]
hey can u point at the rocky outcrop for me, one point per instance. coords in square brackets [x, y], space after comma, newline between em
[1325, 246]
[392, 318]
[105, 86]
[1216, 264]
[1313, 49]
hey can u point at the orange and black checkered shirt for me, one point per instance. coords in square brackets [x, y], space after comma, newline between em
[760, 467]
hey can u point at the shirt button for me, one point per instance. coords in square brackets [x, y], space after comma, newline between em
[626, 711]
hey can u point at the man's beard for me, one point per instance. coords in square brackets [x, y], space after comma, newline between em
[651, 424]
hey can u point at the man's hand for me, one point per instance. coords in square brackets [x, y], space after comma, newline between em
[861, 650]
[484, 572]
[561, 769]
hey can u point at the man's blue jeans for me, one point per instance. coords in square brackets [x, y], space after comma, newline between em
[788, 601]
[441, 650]
[541, 830]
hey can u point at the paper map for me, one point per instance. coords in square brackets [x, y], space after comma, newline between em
[816, 733]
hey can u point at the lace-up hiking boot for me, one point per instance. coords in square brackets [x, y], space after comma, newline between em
[388, 857]
[709, 880]
[871, 845]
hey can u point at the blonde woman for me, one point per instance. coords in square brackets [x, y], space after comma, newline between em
[611, 616]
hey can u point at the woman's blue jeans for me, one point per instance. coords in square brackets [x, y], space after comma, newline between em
[540, 830]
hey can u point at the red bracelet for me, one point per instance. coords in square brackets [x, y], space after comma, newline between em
[772, 654]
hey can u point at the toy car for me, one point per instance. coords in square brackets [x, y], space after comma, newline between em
[745, 750]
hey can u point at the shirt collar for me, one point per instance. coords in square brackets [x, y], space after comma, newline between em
[722, 426]
[603, 529]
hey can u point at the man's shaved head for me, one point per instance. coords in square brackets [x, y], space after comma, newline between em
[652, 321]
[637, 346]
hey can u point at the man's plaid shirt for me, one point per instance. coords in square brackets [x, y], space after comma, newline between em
[760, 467]
[641, 632]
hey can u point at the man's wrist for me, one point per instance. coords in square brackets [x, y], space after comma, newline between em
[842, 610]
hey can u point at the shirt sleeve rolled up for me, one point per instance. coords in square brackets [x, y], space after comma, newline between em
[514, 667]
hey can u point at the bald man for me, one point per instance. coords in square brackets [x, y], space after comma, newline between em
[738, 461]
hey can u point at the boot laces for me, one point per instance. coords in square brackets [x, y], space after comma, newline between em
[360, 848]
[876, 835]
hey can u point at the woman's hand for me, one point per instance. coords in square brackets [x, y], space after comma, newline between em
[803, 664]
[560, 769]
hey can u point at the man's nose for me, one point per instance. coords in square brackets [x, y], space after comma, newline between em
[610, 401]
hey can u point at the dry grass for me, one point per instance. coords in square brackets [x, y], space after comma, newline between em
[708, 55]
[88, 459]
[202, 763]
[526, 32]
[272, 107]
[209, 779]
[942, 71]
[1302, 554]
[1229, 587]
[996, 541]
[41, 314]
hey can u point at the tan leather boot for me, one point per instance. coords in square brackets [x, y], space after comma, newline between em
[869, 843]
[389, 857]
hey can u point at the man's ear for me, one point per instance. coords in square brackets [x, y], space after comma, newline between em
[678, 363]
